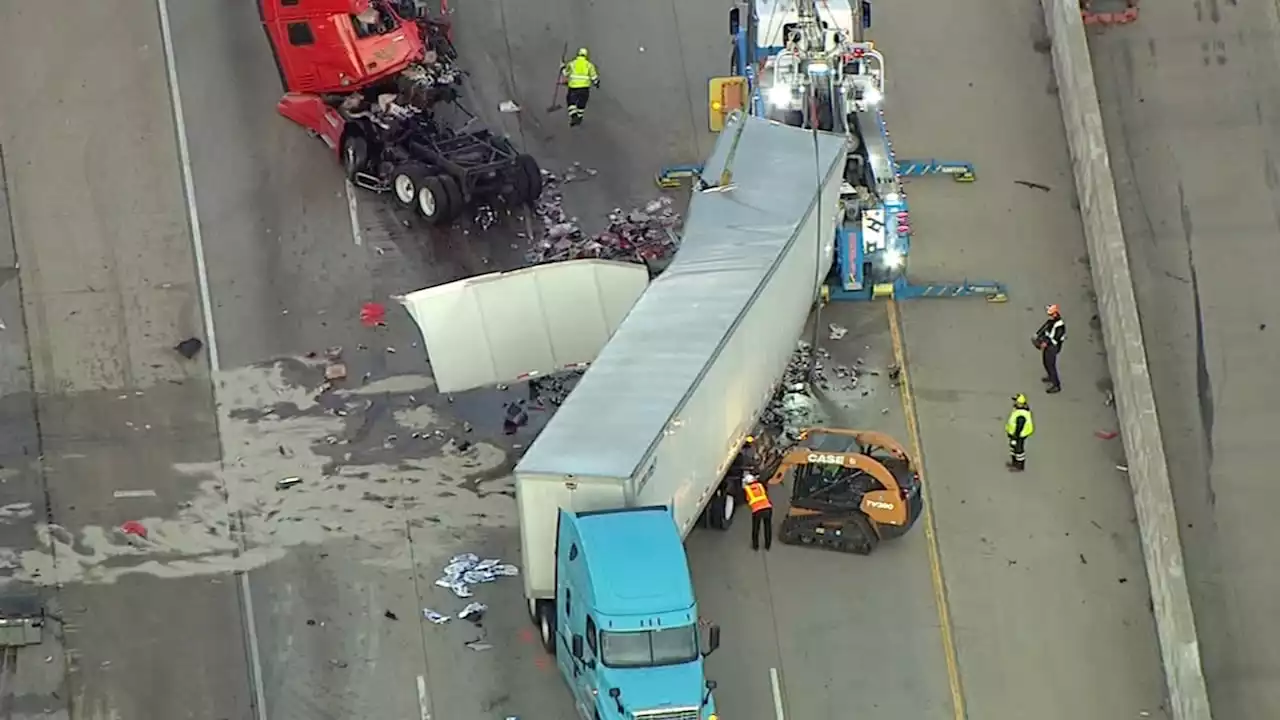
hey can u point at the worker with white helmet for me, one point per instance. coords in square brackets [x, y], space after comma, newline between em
[761, 510]
[579, 76]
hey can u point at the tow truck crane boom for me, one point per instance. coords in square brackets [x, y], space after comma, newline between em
[808, 65]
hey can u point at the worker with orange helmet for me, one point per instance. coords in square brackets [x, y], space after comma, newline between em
[761, 510]
[1049, 339]
[1019, 427]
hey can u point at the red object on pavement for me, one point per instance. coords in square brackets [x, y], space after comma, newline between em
[373, 314]
[133, 527]
[1106, 434]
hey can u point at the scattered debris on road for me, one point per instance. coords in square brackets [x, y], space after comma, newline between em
[434, 617]
[373, 314]
[473, 611]
[189, 348]
[286, 483]
[508, 106]
[836, 332]
[1105, 434]
[467, 569]
[642, 235]
[134, 528]
[1032, 185]
[390, 615]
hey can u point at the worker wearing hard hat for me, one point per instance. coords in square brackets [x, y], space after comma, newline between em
[1049, 339]
[761, 510]
[579, 76]
[1019, 427]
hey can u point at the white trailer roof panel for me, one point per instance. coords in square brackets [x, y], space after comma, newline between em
[504, 326]
[731, 243]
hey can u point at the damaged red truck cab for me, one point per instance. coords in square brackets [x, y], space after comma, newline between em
[338, 46]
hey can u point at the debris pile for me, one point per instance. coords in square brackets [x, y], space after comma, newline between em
[792, 407]
[552, 390]
[467, 569]
[643, 235]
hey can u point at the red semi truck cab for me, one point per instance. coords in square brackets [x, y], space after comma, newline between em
[338, 46]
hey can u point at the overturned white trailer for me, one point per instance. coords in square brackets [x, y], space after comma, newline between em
[667, 404]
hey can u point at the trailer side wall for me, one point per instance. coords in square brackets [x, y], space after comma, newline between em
[540, 499]
[686, 466]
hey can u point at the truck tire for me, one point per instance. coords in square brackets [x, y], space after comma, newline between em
[546, 622]
[527, 180]
[355, 155]
[433, 200]
[405, 182]
[457, 203]
[721, 509]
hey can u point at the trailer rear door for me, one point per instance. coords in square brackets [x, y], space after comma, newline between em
[505, 327]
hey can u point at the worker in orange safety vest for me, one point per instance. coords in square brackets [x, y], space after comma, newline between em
[761, 511]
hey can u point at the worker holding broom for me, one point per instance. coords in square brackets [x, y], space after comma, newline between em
[579, 76]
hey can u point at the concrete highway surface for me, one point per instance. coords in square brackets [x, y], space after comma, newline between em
[1046, 583]
[1191, 109]
[247, 600]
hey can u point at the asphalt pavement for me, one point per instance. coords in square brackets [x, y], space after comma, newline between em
[839, 631]
[104, 269]
[316, 590]
[1191, 110]
[1045, 579]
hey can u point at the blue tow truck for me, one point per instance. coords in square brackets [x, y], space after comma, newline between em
[804, 63]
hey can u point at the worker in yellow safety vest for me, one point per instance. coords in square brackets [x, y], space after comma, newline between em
[761, 511]
[1019, 427]
[579, 76]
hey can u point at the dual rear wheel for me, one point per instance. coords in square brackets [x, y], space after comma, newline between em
[437, 198]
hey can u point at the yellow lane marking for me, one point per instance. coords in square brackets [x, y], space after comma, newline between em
[930, 527]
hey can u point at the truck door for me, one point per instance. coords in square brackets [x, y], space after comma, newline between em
[569, 615]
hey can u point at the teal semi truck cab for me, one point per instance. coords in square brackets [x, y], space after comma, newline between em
[627, 636]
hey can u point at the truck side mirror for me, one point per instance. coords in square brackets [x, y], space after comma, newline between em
[577, 647]
[713, 641]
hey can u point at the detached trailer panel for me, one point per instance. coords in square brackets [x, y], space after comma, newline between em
[501, 327]
[666, 406]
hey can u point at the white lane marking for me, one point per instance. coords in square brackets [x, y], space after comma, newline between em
[206, 303]
[353, 213]
[188, 185]
[777, 694]
[133, 493]
[424, 702]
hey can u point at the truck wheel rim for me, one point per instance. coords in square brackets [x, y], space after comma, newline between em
[728, 507]
[404, 188]
[427, 202]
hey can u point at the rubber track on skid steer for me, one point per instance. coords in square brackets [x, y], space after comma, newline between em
[856, 536]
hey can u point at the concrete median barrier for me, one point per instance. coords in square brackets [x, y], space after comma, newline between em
[1127, 358]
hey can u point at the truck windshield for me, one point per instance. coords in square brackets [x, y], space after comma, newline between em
[649, 648]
